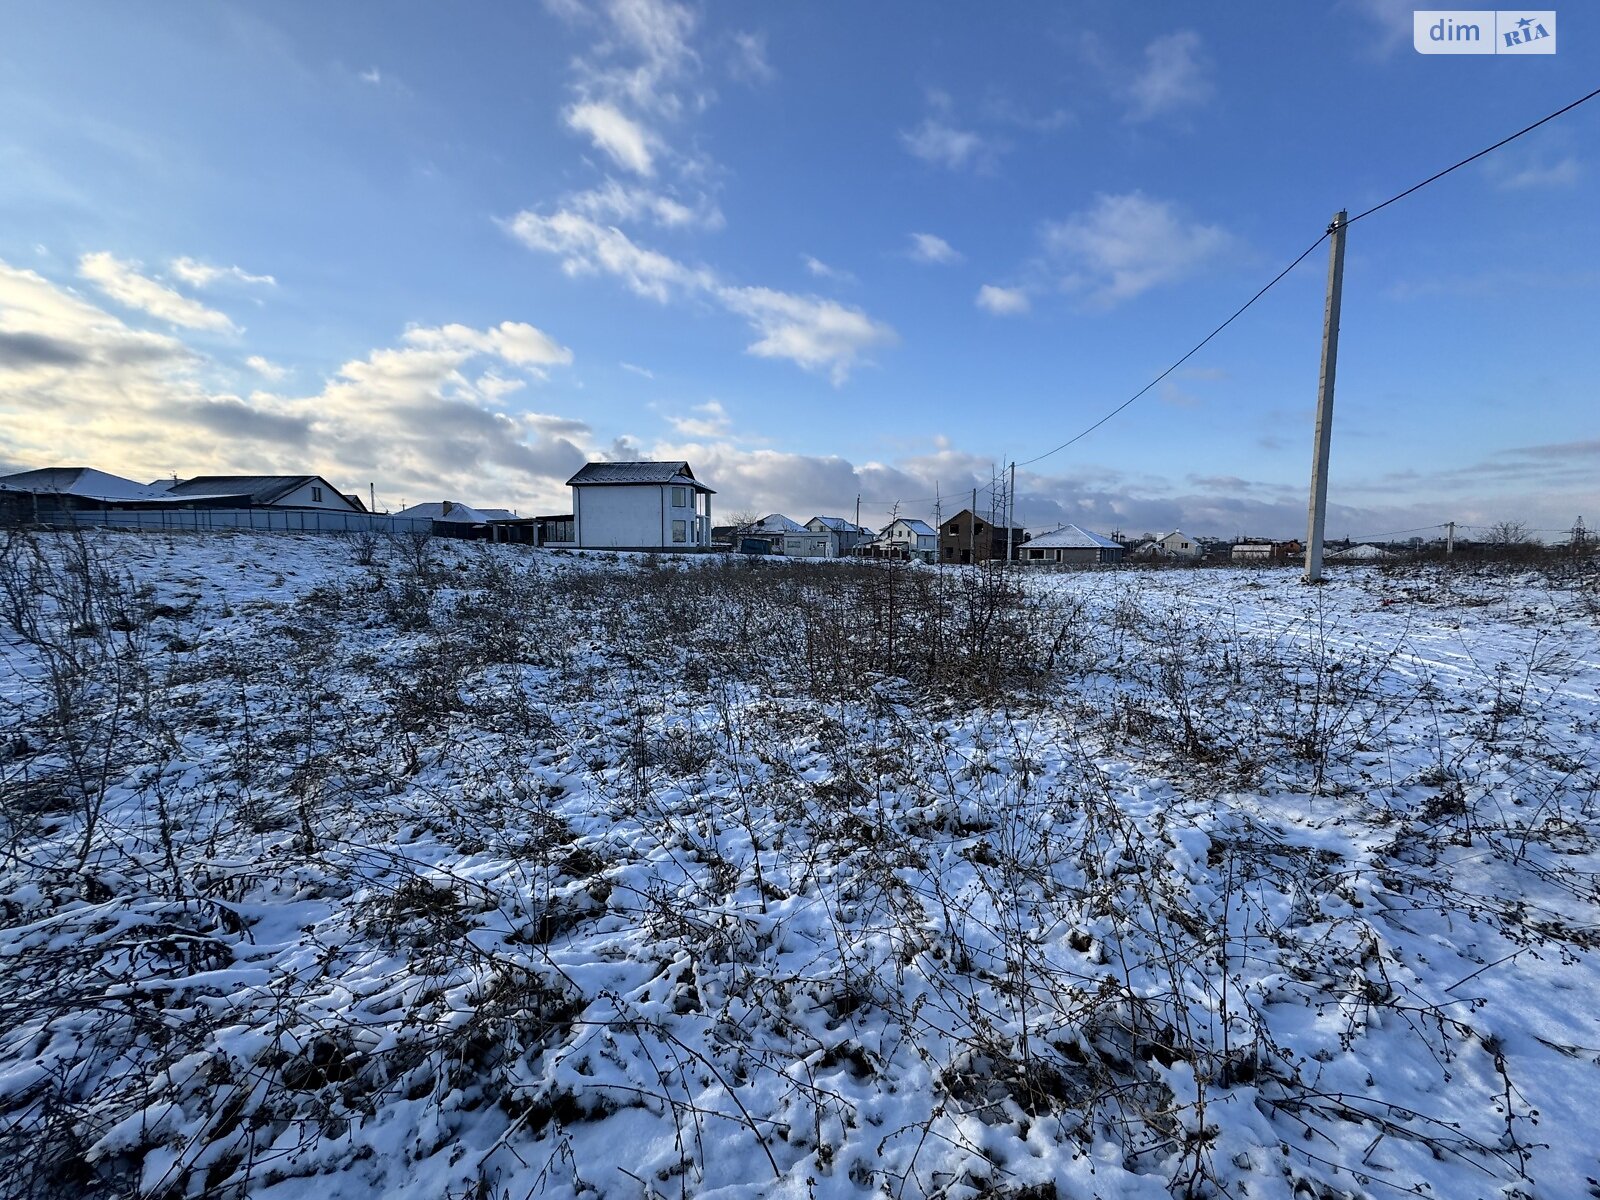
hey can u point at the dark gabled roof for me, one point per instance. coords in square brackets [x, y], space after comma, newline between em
[258, 489]
[598, 474]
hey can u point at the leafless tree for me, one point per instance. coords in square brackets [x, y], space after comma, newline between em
[1508, 533]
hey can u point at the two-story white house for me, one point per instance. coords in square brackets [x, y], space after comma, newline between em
[911, 538]
[640, 506]
[842, 535]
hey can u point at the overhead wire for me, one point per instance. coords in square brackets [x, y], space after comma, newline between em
[1242, 309]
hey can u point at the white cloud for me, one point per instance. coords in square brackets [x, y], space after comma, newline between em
[515, 342]
[749, 62]
[587, 248]
[371, 75]
[643, 58]
[1126, 244]
[1175, 77]
[934, 141]
[1002, 302]
[266, 368]
[822, 270]
[815, 333]
[122, 281]
[199, 274]
[628, 143]
[929, 248]
[645, 372]
[614, 201]
[711, 421]
[1541, 175]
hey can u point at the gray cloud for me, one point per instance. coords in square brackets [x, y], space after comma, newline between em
[22, 350]
[230, 417]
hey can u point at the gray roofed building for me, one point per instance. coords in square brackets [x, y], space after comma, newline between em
[257, 491]
[640, 506]
[84, 483]
[1072, 536]
[445, 510]
[599, 474]
[1071, 544]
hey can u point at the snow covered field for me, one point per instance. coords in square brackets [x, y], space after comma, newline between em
[477, 871]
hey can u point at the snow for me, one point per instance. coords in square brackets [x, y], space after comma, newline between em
[1259, 890]
[1361, 553]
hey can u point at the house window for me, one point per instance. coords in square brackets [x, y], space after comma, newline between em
[955, 529]
[316, 495]
[680, 497]
[680, 531]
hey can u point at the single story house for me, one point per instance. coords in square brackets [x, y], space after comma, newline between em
[1261, 551]
[74, 488]
[256, 491]
[811, 543]
[640, 506]
[449, 512]
[1071, 544]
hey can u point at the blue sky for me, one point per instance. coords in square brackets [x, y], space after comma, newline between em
[819, 251]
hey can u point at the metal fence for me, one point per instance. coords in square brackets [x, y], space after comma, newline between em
[263, 520]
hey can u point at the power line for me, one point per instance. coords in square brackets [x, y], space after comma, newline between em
[1198, 346]
[1361, 537]
[1302, 257]
[1505, 141]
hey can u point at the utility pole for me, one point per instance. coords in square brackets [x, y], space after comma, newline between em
[1011, 509]
[1449, 537]
[1324, 434]
[972, 529]
[372, 497]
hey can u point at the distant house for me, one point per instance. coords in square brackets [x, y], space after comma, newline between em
[640, 506]
[256, 491]
[73, 488]
[1071, 544]
[1362, 553]
[451, 512]
[811, 543]
[773, 529]
[968, 538]
[847, 535]
[1262, 551]
[1178, 544]
[905, 538]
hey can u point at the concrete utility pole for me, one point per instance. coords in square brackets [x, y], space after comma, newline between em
[972, 530]
[1011, 508]
[1324, 434]
[1449, 537]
